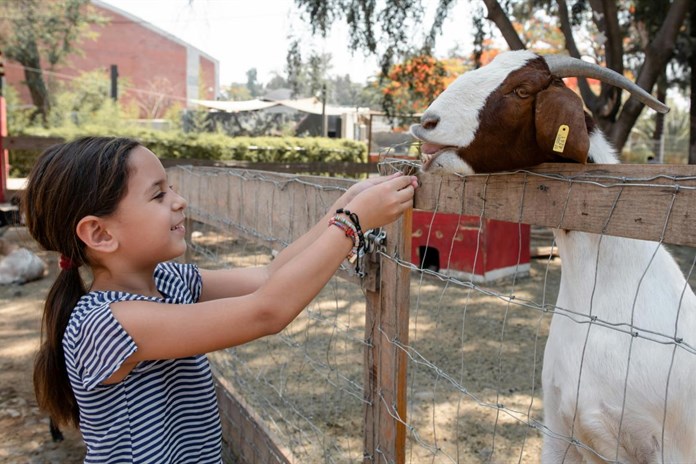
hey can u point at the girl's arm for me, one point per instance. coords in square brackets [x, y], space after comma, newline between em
[241, 281]
[171, 331]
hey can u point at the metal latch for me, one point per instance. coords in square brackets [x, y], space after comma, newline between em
[375, 240]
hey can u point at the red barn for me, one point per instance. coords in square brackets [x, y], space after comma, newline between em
[159, 68]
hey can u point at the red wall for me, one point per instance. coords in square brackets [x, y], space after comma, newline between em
[148, 61]
[486, 248]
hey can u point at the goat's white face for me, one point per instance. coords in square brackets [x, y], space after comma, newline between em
[487, 119]
[457, 110]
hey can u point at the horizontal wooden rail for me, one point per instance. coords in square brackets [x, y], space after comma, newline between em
[30, 142]
[318, 167]
[269, 208]
[649, 202]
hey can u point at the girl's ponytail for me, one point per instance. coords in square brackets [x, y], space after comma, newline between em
[51, 385]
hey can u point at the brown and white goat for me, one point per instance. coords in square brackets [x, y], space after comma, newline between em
[597, 408]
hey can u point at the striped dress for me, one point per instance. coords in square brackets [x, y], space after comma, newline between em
[163, 411]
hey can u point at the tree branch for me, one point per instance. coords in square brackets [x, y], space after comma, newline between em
[498, 16]
[606, 17]
[588, 96]
[657, 54]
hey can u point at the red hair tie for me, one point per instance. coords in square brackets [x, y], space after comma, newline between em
[66, 263]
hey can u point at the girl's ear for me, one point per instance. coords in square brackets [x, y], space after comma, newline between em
[92, 231]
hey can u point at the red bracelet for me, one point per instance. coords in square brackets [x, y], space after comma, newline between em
[350, 232]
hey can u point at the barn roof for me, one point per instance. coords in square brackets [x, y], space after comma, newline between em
[310, 105]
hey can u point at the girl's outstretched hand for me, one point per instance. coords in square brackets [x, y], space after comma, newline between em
[361, 186]
[382, 200]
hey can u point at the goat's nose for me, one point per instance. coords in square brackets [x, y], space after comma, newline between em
[429, 122]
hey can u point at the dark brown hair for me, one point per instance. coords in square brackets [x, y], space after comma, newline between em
[68, 182]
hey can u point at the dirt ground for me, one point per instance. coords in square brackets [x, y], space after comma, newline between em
[25, 436]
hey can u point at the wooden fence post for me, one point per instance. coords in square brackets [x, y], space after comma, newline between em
[4, 157]
[386, 327]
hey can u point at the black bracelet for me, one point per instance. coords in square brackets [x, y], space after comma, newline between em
[361, 237]
[356, 222]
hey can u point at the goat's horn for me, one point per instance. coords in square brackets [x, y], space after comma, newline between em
[566, 66]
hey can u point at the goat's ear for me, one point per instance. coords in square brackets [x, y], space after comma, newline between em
[560, 124]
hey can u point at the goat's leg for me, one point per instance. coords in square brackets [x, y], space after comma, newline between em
[556, 449]
[560, 451]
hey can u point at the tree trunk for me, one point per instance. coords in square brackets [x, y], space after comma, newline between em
[588, 96]
[35, 82]
[658, 133]
[500, 18]
[692, 64]
[657, 54]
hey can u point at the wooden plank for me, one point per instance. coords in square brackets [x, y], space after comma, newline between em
[635, 201]
[261, 205]
[30, 142]
[245, 435]
[333, 168]
[543, 252]
[270, 209]
[387, 317]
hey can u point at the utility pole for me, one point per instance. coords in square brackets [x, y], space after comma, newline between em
[324, 119]
[4, 157]
[114, 82]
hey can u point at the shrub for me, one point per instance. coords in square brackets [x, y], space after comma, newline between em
[209, 146]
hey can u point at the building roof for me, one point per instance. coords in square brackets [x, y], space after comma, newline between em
[310, 105]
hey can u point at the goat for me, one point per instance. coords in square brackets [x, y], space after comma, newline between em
[18, 265]
[506, 116]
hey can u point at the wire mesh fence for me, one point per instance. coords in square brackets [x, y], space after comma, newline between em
[470, 389]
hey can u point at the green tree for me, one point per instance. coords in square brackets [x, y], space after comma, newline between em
[44, 32]
[18, 118]
[306, 78]
[84, 100]
[277, 82]
[344, 92]
[672, 147]
[237, 92]
[319, 67]
[388, 33]
[255, 88]
[294, 69]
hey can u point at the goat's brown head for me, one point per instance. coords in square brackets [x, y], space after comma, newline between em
[515, 112]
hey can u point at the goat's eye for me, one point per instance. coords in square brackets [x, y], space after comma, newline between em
[521, 92]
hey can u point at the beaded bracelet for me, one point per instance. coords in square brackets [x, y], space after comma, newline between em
[350, 232]
[356, 222]
[360, 245]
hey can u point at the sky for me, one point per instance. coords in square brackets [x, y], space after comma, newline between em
[245, 34]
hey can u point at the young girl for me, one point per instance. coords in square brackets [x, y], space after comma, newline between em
[123, 358]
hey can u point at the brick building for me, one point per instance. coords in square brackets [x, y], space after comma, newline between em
[155, 69]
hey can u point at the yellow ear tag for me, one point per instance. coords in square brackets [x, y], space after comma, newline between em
[561, 137]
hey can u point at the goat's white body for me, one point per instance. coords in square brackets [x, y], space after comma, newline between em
[638, 286]
[614, 280]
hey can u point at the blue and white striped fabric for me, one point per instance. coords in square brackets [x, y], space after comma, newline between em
[163, 411]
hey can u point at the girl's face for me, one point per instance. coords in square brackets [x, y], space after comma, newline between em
[149, 220]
